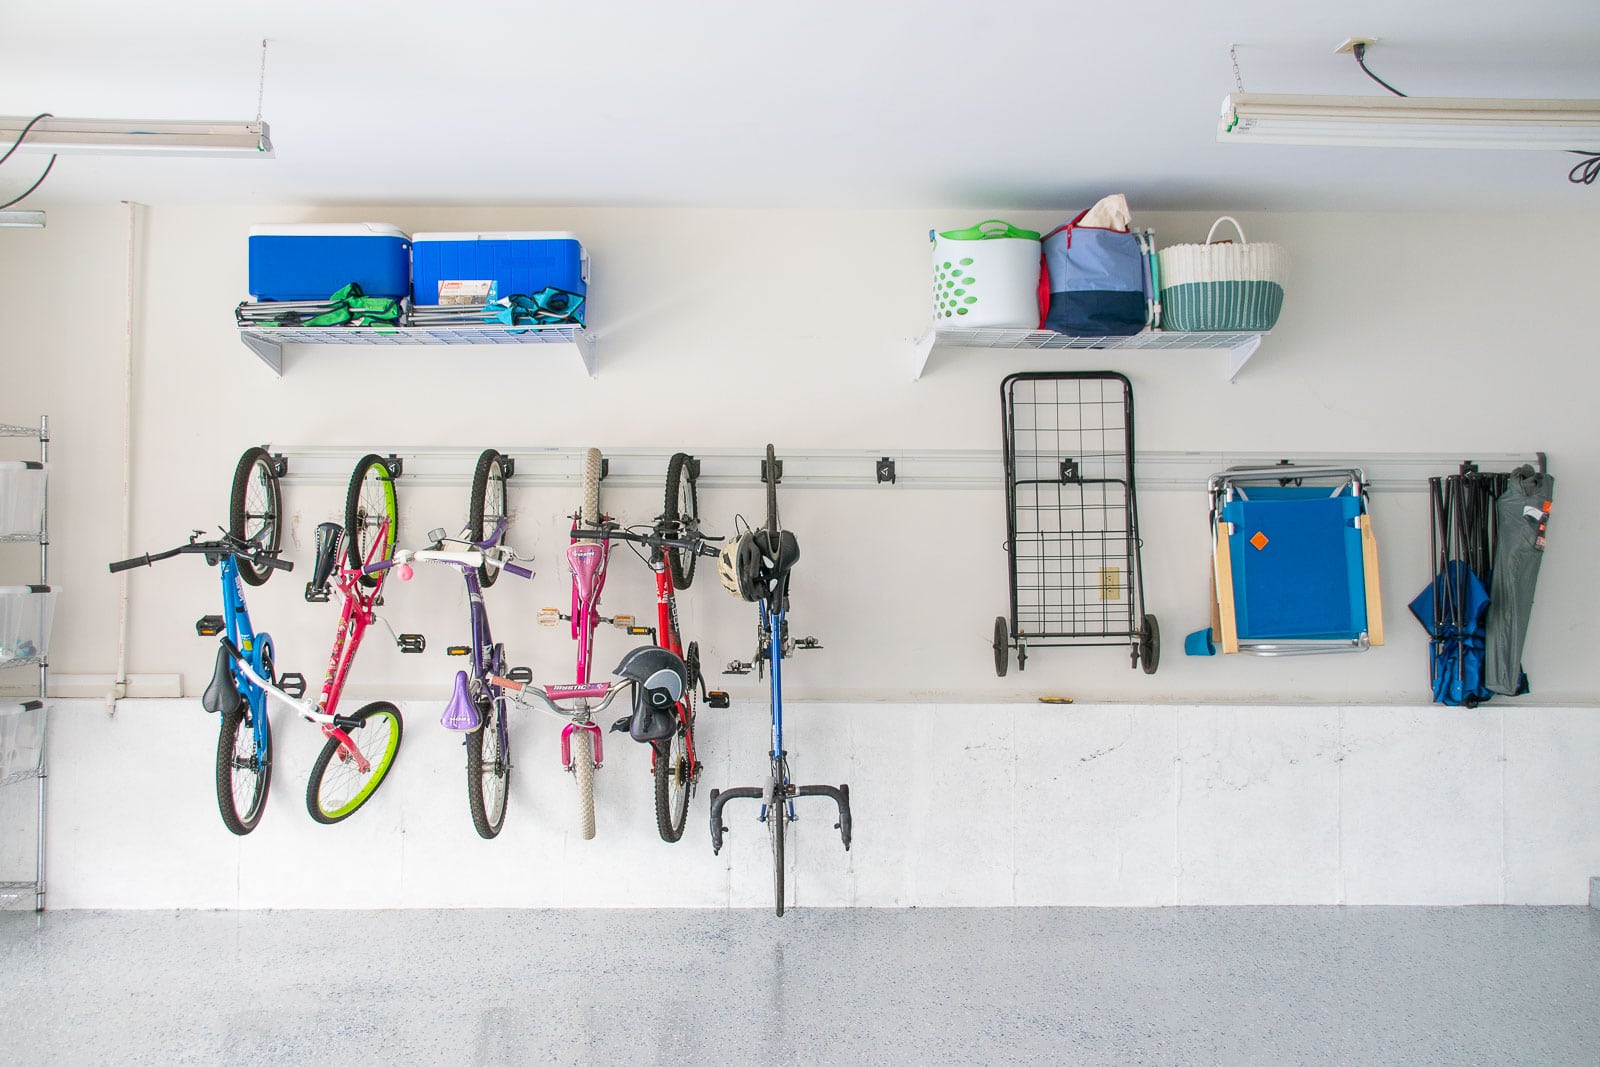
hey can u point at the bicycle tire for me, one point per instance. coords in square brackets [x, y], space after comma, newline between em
[487, 506]
[589, 510]
[583, 771]
[251, 769]
[488, 765]
[777, 827]
[255, 510]
[772, 498]
[337, 807]
[682, 503]
[674, 780]
[370, 500]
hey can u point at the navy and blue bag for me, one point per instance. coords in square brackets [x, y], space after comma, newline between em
[1095, 281]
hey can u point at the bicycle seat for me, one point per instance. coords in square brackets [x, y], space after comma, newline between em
[661, 679]
[786, 555]
[222, 693]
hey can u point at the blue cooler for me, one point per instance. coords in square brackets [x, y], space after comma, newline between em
[518, 263]
[312, 261]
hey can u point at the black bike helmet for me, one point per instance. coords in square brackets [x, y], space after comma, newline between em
[662, 679]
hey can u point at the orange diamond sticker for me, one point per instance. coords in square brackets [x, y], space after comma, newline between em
[1259, 540]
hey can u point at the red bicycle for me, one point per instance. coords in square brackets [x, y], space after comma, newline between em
[675, 543]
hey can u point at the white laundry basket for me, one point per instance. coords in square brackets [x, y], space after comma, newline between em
[986, 275]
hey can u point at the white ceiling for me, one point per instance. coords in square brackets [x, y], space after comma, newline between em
[836, 103]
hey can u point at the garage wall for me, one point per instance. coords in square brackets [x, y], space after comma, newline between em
[724, 329]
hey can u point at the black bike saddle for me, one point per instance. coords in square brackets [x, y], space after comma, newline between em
[222, 694]
[787, 553]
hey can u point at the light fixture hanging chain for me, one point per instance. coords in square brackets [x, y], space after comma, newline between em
[1238, 79]
[261, 86]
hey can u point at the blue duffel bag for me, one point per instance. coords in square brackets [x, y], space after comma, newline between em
[1095, 282]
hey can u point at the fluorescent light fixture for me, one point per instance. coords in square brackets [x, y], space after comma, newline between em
[136, 138]
[1410, 122]
[22, 220]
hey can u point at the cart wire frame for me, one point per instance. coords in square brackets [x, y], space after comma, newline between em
[1072, 522]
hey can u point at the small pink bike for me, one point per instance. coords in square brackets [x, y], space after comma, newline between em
[581, 748]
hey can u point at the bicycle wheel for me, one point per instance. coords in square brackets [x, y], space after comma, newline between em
[488, 771]
[589, 515]
[244, 772]
[777, 826]
[487, 507]
[583, 771]
[674, 779]
[255, 510]
[682, 506]
[368, 504]
[337, 789]
[772, 497]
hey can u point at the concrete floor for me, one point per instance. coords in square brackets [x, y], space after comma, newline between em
[1183, 985]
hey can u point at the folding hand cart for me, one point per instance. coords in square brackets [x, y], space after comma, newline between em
[1072, 519]
[1294, 565]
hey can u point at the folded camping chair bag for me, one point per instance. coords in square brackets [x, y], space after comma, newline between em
[1094, 282]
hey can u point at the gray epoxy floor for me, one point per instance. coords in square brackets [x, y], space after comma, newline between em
[1179, 985]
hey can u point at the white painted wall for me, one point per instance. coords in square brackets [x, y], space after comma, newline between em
[955, 804]
[1400, 334]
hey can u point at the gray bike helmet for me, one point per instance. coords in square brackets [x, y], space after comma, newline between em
[661, 680]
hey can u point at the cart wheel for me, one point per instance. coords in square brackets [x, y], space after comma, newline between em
[1150, 645]
[1002, 645]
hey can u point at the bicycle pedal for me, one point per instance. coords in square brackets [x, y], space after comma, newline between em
[808, 642]
[624, 622]
[642, 631]
[549, 616]
[411, 642]
[520, 674]
[293, 683]
[209, 625]
[736, 667]
[315, 595]
[458, 650]
[717, 699]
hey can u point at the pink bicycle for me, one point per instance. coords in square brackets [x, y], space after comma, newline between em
[582, 751]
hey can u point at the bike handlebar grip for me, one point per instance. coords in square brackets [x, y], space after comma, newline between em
[129, 564]
[374, 568]
[505, 683]
[278, 564]
[520, 572]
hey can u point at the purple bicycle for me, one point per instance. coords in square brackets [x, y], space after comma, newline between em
[477, 706]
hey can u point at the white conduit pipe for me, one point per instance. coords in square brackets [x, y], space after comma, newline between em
[119, 687]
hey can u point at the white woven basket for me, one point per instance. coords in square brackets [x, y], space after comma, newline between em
[1222, 286]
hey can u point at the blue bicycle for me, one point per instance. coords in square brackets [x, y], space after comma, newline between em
[245, 671]
[756, 567]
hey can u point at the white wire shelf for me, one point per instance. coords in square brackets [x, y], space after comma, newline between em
[1239, 346]
[267, 341]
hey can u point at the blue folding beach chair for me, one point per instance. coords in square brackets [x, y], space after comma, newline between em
[1294, 565]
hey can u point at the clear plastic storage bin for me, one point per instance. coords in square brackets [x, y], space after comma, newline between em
[21, 498]
[26, 612]
[21, 740]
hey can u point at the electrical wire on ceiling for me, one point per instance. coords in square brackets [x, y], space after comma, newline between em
[20, 138]
[1582, 173]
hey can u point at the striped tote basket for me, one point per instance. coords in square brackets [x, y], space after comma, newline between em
[1222, 286]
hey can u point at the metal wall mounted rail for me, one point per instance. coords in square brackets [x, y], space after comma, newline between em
[915, 469]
